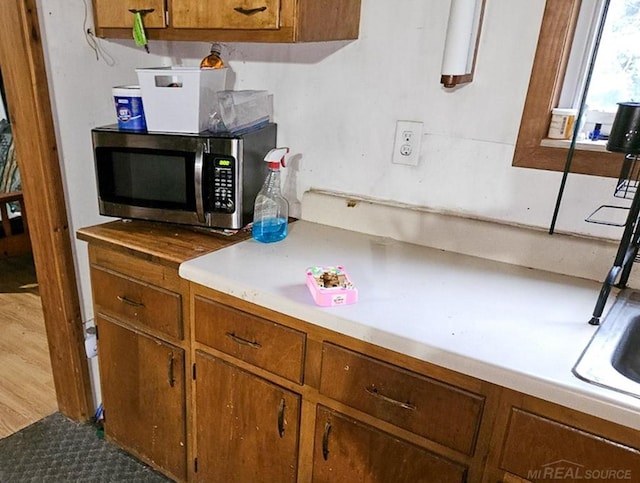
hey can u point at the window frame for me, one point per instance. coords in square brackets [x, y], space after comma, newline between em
[545, 85]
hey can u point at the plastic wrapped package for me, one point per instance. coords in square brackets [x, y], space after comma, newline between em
[236, 112]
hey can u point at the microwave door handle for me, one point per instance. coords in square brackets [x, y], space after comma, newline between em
[197, 180]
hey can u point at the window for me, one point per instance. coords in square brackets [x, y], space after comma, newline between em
[616, 74]
[549, 69]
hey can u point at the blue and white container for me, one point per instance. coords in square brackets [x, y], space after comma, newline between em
[129, 108]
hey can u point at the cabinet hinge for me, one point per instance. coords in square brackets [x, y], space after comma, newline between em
[195, 465]
[194, 371]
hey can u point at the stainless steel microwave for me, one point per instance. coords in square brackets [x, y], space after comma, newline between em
[194, 179]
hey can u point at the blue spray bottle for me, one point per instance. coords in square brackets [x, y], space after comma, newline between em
[271, 210]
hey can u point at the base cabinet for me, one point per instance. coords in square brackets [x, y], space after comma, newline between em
[143, 395]
[247, 427]
[348, 450]
[245, 394]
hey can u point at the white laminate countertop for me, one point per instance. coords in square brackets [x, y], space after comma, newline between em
[516, 327]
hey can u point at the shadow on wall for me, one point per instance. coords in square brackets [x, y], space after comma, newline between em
[186, 53]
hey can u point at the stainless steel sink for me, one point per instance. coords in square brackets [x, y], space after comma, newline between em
[612, 357]
[626, 358]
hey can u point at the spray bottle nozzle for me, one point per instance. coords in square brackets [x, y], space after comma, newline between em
[275, 157]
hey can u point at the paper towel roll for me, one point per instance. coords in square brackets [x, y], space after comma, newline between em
[462, 33]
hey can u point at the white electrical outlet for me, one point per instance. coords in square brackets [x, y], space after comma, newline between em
[406, 147]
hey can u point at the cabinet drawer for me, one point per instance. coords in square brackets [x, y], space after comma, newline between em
[226, 14]
[258, 341]
[359, 453]
[540, 449]
[132, 300]
[440, 412]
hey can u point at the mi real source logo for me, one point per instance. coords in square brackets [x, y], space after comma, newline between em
[568, 470]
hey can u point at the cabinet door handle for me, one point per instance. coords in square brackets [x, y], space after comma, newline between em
[127, 301]
[373, 391]
[325, 441]
[143, 11]
[281, 418]
[172, 380]
[240, 340]
[249, 11]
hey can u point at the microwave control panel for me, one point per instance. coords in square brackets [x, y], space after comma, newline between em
[224, 185]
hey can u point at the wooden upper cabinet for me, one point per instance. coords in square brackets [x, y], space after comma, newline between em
[226, 14]
[278, 21]
[118, 14]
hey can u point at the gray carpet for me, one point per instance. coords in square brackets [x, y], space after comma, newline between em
[57, 449]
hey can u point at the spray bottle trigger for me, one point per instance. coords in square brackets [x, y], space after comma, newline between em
[276, 155]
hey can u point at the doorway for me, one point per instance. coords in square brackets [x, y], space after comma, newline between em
[27, 392]
[27, 94]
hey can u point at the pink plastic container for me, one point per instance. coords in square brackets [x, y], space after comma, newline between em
[331, 286]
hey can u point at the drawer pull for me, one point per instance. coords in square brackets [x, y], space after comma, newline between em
[240, 340]
[172, 379]
[325, 441]
[373, 391]
[143, 11]
[249, 11]
[127, 301]
[281, 418]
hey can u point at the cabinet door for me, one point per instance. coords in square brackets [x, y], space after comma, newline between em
[540, 449]
[247, 428]
[348, 450]
[226, 14]
[143, 391]
[117, 13]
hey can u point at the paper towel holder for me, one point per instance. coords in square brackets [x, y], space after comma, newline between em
[461, 43]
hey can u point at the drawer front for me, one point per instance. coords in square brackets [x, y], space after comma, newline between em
[132, 300]
[265, 344]
[118, 14]
[540, 449]
[226, 14]
[440, 412]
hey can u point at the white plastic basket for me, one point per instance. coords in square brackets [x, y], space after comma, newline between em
[179, 99]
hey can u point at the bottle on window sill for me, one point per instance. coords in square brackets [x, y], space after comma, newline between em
[595, 134]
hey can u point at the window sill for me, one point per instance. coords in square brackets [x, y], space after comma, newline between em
[595, 146]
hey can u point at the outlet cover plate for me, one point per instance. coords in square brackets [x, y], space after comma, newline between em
[407, 142]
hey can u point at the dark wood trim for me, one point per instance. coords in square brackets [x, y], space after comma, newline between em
[549, 66]
[24, 74]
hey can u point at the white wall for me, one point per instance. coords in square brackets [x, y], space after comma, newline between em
[336, 105]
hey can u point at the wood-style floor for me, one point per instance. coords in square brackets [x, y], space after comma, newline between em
[27, 392]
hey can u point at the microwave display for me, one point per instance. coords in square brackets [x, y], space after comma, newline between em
[147, 178]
